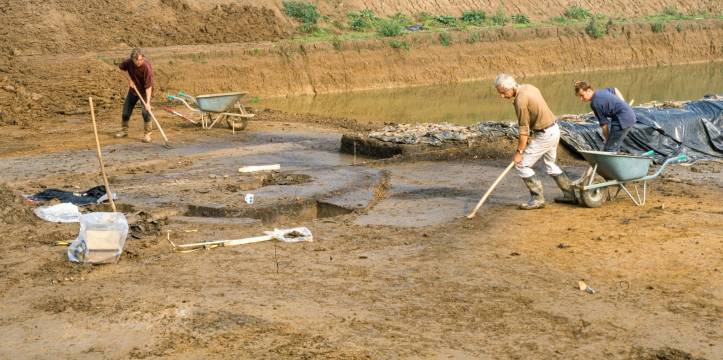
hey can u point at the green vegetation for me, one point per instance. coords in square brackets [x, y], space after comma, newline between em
[520, 19]
[499, 18]
[399, 44]
[672, 10]
[363, 20]
[575, 12]
[473, 37]
[596, 27]
[336, 43]
[425, 18]
[364, 24]
[672, 13]
[445, 39]
[309, 28]
[402, 19]
[473, 17]
[446, 20]
[559, 19]
[389, 28]
[302, 11]
[658, 26]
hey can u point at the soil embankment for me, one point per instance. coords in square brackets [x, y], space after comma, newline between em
[291, 69]
[38, 87]
[42, 27]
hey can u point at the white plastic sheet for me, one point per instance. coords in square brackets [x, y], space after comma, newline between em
[63, 213]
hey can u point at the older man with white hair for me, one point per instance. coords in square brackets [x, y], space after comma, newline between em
[538, 125]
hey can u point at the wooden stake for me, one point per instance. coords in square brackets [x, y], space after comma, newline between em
[100, 157]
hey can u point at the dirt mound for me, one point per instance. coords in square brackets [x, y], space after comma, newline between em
[37, 27]
[33, 91]
[534, 9]
[13, 211]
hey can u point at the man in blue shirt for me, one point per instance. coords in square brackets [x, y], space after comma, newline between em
[615, 116]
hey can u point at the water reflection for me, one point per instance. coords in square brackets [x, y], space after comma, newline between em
[471, 102]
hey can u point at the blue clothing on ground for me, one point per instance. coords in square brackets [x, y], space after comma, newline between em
[610, 109]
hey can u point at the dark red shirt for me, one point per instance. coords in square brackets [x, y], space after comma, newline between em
[142, 76]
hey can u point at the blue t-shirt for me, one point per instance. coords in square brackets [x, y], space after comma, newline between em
[610, 109]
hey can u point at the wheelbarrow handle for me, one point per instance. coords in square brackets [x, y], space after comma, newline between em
[679, 158]
[184, 102]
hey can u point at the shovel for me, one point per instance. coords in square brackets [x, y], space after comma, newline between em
[286, 235]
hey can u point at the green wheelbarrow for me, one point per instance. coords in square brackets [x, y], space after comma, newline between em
[212, 108]
[625, 172]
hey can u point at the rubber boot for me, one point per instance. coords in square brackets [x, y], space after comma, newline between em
[537, 200]
[564, 183]
[146, 132]
[124, 130]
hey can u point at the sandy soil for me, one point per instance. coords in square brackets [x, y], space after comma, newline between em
[394, 271]
[503, 285]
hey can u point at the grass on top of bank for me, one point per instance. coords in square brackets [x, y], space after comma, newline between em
[365, 24]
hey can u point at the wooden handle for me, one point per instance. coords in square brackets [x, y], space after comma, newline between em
[489, 191]
[225, 242]
[100, 157]
[165, 139]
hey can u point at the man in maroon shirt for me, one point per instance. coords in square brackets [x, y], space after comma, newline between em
[139, 73]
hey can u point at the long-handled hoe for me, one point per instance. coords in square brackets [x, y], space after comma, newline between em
[489, 191]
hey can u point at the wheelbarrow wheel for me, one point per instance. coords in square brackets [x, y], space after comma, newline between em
[592, 198]
[237, 125]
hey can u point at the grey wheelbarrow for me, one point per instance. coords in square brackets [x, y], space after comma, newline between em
[212, 108]
[626, 172]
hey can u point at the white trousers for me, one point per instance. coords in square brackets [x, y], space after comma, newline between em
[541, 145]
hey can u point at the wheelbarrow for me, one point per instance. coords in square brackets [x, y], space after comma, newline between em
[618, 170]
[212, 108]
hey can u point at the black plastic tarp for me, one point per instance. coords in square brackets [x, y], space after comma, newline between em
[88, 197]
[698, 125]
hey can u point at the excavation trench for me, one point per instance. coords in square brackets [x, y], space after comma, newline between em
[279, 212]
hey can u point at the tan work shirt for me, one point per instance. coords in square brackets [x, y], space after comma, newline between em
[532, 110]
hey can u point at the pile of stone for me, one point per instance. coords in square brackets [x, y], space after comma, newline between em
[440, 134]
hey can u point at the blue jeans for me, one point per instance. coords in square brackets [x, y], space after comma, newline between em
[616, 135]
[130, 103]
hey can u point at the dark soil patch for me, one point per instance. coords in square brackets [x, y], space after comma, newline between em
[664, 354]
[279, 178]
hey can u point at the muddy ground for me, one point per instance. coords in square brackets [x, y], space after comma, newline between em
[394, 270]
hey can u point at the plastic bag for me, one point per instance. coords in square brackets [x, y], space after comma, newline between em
[101, 238]
[291, 235]
[63, 213]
